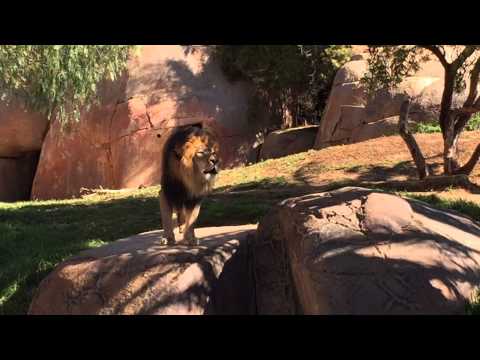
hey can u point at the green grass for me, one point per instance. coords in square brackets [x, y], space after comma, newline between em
[474, 123]
[427, 128]
[468, 208]
[36, 236]
[430, 128]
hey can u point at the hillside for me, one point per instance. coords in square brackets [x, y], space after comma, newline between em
[380, 159]
[40, 234]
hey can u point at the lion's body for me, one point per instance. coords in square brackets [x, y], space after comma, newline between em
[189, 169]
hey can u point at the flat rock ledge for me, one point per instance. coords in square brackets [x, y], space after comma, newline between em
[140, 276]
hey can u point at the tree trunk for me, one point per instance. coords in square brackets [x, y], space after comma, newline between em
[468, 167]
[447, 99]
[418, 158]
[450, 148]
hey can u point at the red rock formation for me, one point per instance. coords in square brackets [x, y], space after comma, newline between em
[21, 136]
[118, 143]
[21, 130]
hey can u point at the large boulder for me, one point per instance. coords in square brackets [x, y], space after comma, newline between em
[118, 143]
[138, 275]
[287, 142]
[349, 110]
[360, 251]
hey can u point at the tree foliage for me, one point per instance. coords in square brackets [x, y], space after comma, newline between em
[390, 64]
[58, 80]
[290, 78]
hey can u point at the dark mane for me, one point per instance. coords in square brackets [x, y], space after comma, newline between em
[175, 191]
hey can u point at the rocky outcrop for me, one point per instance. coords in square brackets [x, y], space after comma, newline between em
[118, 143]
[21, 136]
[359, 251]
[21, 131]
[139, 275]
[287, 142]
[351, 116]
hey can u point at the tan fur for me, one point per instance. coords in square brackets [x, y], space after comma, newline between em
[187, 165]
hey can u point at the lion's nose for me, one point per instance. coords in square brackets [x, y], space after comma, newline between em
[214, 161]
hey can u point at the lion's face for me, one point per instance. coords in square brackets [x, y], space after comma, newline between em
[205, 162]
[200, 161]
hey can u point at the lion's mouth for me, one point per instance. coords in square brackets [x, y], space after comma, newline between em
[212, 171]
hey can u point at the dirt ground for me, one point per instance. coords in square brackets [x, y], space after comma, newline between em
[380, 159]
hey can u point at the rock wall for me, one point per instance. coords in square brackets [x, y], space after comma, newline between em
[21, 136]
[118, 143]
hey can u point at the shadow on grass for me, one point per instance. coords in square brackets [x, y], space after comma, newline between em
[404, 169]
[35, 238]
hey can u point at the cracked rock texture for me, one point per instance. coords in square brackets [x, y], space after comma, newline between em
[358, 251]
[118, 143]
[140, 276]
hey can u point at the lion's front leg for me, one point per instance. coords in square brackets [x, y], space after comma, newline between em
[191, 216]
[181, 220]
[167, 221]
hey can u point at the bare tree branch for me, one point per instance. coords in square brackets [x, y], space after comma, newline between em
[415, 151]
[464, 55]
[477, 105]
[468, 167]
[438, 53]
[474, 76]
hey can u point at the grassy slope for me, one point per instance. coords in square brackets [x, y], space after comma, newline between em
[36, 236]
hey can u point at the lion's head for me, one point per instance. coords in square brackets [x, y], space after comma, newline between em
[196, 160]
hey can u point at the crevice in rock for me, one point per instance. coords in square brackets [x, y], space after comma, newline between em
[335, 128]
[108, 148]
[127, 135]
[361, 215]
[148, 117]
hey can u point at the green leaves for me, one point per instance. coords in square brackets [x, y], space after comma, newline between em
[297, 77]
[58, 80]
[389, 65]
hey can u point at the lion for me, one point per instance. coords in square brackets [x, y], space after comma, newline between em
[190, 167]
